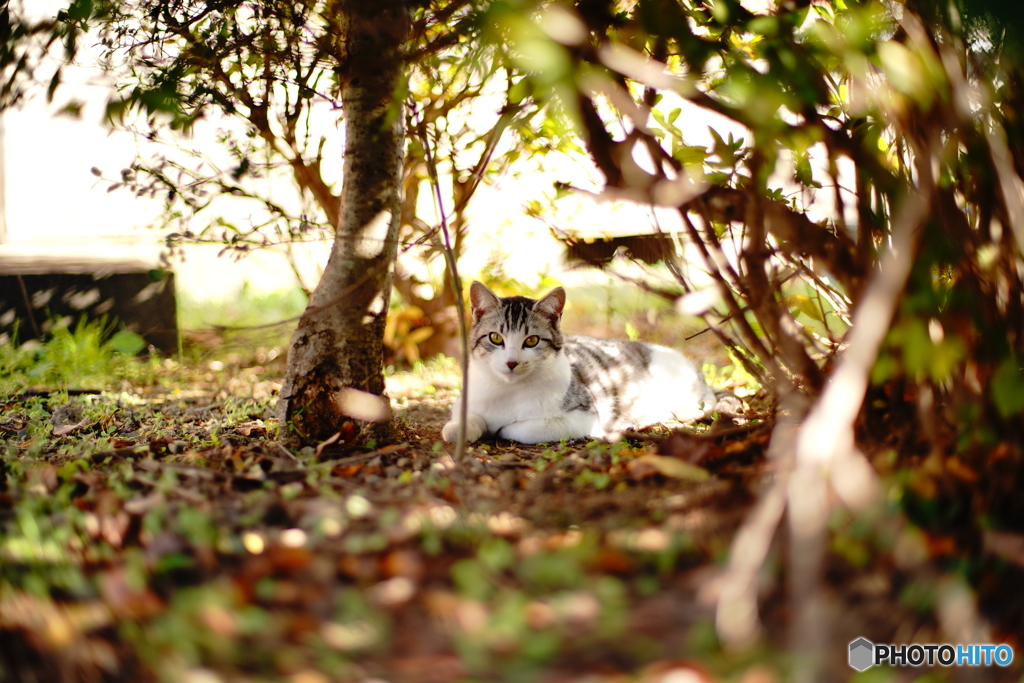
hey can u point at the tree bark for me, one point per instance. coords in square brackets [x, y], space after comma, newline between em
[335, 364]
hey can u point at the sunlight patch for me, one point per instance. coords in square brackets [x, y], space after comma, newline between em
[505, 524]
[293, 538]
[442, 516]
[371, 241]
[357, 506]
[393, 592]
[355, 636]
[253, 542]
[364, 406]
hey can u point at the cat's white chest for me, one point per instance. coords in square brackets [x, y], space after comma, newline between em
[501, 403]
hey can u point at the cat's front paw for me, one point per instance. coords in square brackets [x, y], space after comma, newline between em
[450, 432]
[475, 428]
[538, 431]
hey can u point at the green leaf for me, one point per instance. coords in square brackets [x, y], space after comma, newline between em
[719, 142]
[917, 347]
[519, 91]
[79, 10]
[946, 358]
[766, 26]
[689, 155]
[1008, 387]
[127, 342]
[496, 554]
[803, 173]
[54, 84]
[824, 12]
[471, 580]
[885, 368]
[804, 304]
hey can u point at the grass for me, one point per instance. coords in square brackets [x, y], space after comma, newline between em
[73, 357]
[240, 330]
[245, 308]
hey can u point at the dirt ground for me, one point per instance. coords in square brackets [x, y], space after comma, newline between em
[160, 533]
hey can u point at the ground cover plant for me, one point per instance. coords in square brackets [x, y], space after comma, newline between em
[153, 528]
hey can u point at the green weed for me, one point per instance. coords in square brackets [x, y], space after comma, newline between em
[90, 354]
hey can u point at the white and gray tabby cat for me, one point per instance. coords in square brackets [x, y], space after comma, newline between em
[530, 384]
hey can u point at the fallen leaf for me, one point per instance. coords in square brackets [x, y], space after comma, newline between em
[330, 440]
[64, 430]
[125, 600]
[667, 467]
[360, 567]
[143, 504]
[308, 676]
[941, 546]
[1008, 546]
[285, 559]
[116, 455]
[348, 470]
[406, 563]
[959, 469]
[253, 429]
[685, 446]
[430, 668]
[612, 560]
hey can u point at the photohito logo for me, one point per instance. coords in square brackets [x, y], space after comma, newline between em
[865, 654]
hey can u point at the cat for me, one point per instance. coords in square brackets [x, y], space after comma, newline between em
[530, 384]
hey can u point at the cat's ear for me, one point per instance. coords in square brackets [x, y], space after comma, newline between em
[482, 300]
[552, 304]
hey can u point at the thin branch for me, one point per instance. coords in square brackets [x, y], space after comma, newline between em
[451, 261]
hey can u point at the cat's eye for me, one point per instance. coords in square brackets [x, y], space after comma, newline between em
[531, 341]
[496, 339]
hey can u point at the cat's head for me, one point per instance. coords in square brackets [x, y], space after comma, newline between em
[515, 336]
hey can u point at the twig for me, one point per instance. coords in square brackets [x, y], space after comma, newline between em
[715, 263]
[719, 435]
[364, 457]
[28, 306]
[827, 437]
[450, 261]
[826, 452]
[279, 446]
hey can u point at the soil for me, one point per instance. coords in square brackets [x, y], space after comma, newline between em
[175, 539]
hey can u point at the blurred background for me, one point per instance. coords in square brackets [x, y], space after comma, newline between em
[66, 201]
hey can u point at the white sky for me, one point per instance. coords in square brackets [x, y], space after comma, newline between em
[51, 194]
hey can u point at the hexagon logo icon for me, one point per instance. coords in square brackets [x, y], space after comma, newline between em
[862, 653]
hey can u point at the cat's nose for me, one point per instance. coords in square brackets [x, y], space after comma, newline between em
[511, 365]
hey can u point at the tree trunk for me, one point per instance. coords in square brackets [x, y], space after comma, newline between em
[335, 361]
